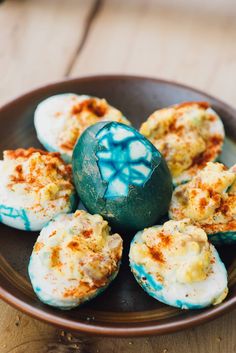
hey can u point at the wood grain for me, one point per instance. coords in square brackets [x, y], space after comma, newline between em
[39, 42]
[20, 334]
[39, 39]
[153, 38]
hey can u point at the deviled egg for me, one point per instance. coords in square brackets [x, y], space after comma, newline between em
[175, 264]
[59, 120]
[188, 135]
[119, 174]
[209, 200]
[35, 187]
[74, 259]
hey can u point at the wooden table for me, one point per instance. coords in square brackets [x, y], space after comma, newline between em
[46, 40]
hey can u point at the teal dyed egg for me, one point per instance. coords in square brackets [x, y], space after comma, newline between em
[120, 175]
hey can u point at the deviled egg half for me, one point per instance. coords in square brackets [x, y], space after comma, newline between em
[188, 135]
[35, 187]
[175, 264]
[209, 200]
[60, 120]
[74, 259]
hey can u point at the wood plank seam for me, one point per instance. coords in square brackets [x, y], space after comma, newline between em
[91, 17]
[149, 55]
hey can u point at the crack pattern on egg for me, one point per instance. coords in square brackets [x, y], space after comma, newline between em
[11, 212]
[120, 175]
[123, 159]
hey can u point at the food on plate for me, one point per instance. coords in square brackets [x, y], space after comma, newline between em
[119, 174]
[175, 264]
[60, 120]
[74, 259]
[209, 200]
[188, 135]
[125, 180]
[35, 187]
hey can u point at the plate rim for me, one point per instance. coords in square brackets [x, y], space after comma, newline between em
[103, 329]
[112, 331]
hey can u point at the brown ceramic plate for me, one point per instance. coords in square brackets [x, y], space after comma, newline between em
[124, 309]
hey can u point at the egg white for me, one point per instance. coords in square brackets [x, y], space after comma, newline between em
[216, 127]
[15, 215]
[196, 127]
[49, 282]
[19, 208]
[214, 186]
[195, 295]
[51, 116]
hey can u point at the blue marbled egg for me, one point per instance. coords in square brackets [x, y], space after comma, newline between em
[119, 174]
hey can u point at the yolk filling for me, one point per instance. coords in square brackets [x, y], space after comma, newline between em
[177, 251]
